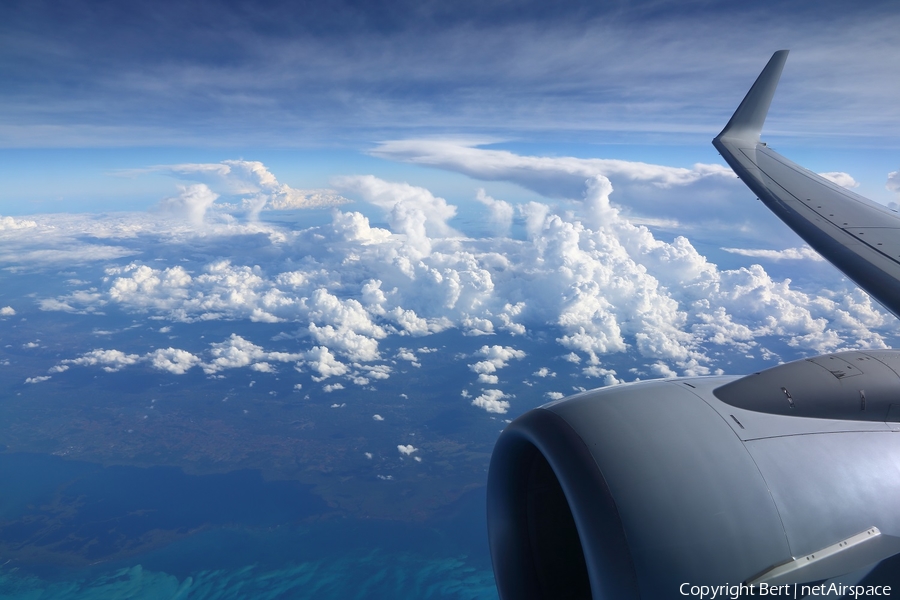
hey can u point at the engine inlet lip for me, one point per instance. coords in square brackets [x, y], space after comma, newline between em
[610, 566]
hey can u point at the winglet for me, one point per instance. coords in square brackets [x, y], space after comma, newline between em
[748, 119]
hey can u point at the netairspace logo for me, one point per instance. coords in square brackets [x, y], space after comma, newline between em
[789, 590]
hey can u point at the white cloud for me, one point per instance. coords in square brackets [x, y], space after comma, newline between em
[501, 213]
[378, 417]
[412, 211]
[237, 352]
[551, 176]
[497, 358]
[346, 326]
[408, 355]
[324, 362]
[492, 401]
[802, 253]
[110, 360]
[8, 223]
[172, 360]
[662, 370]
[332, 387]
[7, 311]
[555, 395]
[607, 375]
[840, 178]
[37, 379]
[374, 371]
[603, 284]
[893, 181]
[544, 372]
[191, 203]
[407, 449]
[258, 187]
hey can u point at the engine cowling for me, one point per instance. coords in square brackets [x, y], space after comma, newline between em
[636, 490]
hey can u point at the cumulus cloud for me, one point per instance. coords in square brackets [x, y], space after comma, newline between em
[501, 213]
[407, 449]
[234, 352]
[492, 401]
[842, 179]
[254, 183]
[172, 360]
[37, 379]
[321, 360]
[110, 360]
[607, 375]
[191, 203]
[7, 311]
[237, 352]
[412, 211]
[408, 355]
[662, 370]
[893, 181]
[346, 326]
[601, 284]
[497, 357]
[377, 418]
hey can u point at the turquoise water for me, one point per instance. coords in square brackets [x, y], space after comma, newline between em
[378, 574]
[233, 535]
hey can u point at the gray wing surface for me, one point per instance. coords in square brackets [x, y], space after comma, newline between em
[858, 236]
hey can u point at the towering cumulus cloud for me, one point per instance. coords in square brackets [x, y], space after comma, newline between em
[580, 270]
[191, 204]
[250, 182]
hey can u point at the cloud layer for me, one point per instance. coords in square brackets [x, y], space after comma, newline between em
[581, 270]
[607, 284]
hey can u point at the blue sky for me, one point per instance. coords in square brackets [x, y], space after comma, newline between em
[94, 88]
[301, 74]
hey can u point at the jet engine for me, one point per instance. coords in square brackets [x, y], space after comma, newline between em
[766, 485]
[645, 490]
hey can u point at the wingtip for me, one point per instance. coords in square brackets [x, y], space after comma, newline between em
[748, 119]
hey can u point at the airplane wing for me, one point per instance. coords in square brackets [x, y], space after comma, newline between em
[858, 236]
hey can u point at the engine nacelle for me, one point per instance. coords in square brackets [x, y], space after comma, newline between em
[633, 491]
